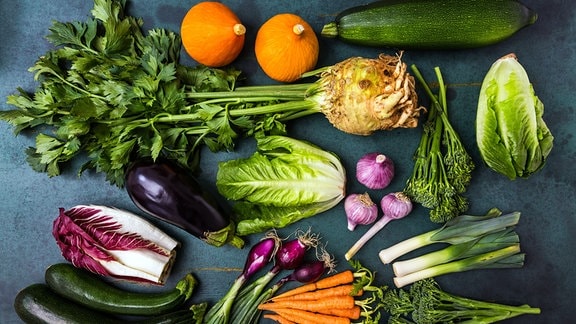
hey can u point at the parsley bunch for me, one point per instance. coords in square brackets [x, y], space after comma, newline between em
[111, 92]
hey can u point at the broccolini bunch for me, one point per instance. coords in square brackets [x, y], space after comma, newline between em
[443, 167]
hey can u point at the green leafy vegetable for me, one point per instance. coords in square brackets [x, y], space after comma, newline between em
[510, 131]
[284, 181]
[426, 302]
[114, 94]
[443, 168]
[474, 242]
[117, 95]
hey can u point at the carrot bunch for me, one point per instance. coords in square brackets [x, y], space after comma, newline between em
[335, 299]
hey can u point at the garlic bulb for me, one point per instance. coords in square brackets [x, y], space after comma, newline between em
[375, 170]
[360, 209]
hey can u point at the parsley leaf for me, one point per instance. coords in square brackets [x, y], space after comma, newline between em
[111, 93]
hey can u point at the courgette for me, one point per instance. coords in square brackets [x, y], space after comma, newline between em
[38, 303]
[430, 24]
[90, 290]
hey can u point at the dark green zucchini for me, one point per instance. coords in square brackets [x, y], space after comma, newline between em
[38, 303]
[90, 290]
[430, 24]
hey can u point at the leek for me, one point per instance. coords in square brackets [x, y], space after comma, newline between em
[475, 242]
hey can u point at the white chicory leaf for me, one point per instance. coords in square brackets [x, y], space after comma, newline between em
[113, 242]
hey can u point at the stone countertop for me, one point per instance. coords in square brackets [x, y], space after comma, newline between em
[547, 200]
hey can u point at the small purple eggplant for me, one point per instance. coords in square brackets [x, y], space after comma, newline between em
[169, 192]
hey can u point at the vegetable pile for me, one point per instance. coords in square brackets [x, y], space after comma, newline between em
[475, 242]
[118, 95]
[343, 297]
[119, 98]
[240, 303]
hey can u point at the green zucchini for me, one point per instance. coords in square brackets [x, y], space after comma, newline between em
[430, 24]
[38, 303]
[90, 290]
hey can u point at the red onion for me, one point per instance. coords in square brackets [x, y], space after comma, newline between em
[360, 209]
[375, 170]
[291, 253]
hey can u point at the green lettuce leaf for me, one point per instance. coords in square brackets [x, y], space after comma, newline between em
[284, 181]
[511, 134]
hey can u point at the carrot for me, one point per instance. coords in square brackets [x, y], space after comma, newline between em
[329, 302]
[319, 294]
[351, 313]
[305, 317]
[278, 319]
[340, 278]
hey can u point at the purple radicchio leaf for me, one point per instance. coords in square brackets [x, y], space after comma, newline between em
[112, 242]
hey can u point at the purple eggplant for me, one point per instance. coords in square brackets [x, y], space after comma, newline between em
[169, 192]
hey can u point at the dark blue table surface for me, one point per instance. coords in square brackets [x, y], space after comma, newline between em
[547, 50]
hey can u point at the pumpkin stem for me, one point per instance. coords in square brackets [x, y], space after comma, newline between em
[239, 29]
[298, 29]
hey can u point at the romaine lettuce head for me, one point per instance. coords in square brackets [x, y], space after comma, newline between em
[512, 137]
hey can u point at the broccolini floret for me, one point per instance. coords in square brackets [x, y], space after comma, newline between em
[426, 302]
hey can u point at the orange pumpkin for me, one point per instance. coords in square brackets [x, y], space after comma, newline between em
[212, 34]
[286, 47]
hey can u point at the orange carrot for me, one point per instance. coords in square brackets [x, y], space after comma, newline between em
[305, 317]
[329, 302]
[340, 278]
[278, 319]
[319, 294]
[351, 313]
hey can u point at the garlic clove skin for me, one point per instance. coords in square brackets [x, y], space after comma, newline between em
[375, 170]
[360, 209]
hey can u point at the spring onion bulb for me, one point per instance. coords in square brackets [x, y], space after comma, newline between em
[258, 257]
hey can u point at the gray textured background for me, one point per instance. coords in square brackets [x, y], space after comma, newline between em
[30, 200]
